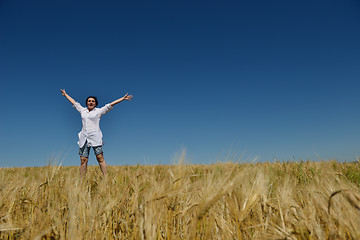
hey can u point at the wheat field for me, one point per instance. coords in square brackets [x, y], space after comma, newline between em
[278, 200]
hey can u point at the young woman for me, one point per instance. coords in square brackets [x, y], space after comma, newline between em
[91, 135]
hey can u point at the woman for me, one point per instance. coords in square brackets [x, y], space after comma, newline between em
[91, 135]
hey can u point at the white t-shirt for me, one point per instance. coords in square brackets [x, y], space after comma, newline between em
[91, 125]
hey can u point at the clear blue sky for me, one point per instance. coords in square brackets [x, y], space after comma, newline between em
[225, 80]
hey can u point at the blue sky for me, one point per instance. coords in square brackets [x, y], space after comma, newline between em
[225, 80]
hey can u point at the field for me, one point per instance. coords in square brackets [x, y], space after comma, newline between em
[279, 200]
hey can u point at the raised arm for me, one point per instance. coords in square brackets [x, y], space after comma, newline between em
[126, 97]
[67, 96]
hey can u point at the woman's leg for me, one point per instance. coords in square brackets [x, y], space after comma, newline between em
[83, 166]
[102, 164]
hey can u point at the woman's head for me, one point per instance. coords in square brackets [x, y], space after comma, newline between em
[91, 102]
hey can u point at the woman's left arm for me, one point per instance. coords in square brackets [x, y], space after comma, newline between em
[126, 97]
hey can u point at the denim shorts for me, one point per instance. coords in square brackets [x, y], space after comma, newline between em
[85, 150]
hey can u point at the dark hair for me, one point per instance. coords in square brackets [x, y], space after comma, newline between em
[96, 102]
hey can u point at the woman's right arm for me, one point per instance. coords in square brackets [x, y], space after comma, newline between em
[67, 96]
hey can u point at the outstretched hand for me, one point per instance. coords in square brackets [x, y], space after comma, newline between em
[67, 96]
[128, 97]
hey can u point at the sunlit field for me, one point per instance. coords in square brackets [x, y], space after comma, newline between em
[280, 200]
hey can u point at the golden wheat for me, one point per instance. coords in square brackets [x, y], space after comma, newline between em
[292, 200]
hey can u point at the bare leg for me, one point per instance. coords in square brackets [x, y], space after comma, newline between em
[83, 166]
[102, 164]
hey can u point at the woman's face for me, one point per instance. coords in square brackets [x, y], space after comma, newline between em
[91, 104]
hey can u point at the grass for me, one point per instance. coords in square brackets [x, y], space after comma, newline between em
[289, 200]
